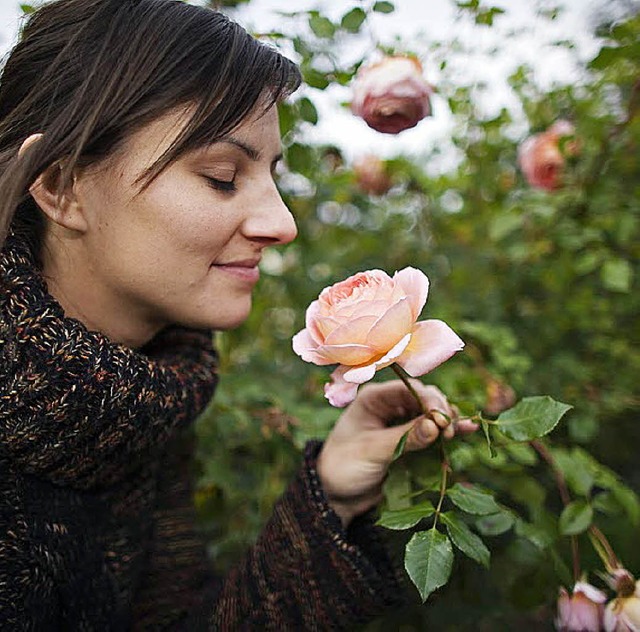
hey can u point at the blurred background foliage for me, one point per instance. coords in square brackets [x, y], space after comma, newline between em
[542, 286]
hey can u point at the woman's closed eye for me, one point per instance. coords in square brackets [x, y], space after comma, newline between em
[221, 185]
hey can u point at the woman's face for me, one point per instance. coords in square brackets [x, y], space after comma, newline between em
[186, 249]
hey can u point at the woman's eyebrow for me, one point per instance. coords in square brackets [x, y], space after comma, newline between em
[252, 152]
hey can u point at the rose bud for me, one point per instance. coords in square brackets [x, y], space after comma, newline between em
[541, 159]
[391, 95]
[582, 611]
[500, 396]
[368, 322]
[371, 175]
[622, 614]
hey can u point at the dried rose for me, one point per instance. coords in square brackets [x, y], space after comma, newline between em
[368, 322]
[371, 175]
[391, 95]
[500, 396]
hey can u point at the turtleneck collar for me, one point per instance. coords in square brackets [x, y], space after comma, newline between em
[76, 408]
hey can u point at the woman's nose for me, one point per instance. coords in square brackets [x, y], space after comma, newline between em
[270, 220]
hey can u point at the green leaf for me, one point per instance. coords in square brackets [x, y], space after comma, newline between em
[617, 275]
[539, 534]
[315, 78]
[399, 449]
[428, 560]
[472, 499]
[504, 224]
[27, 8]
[397, 488]
[307, 110]
[629, 500]
[578, 471]
[486, 430]
[406, 518]
[531, 418]
[467, 541]
[522, 453]
[384, 7]
[576, 517]
[321, 26]
[352, 21]
[495, 524]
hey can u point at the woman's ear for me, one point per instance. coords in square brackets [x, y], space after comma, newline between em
[61, 207]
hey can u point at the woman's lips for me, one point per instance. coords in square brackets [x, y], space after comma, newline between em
[244, 270]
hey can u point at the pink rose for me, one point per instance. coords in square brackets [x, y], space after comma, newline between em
[541, 159]
[371, 175]
[391, 95]
[368, 322]
[582, 611]
[623, 613]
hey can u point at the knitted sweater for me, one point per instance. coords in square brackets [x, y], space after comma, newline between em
[97, 527]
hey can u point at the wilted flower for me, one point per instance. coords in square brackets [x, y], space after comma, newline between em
[371, 175]
[582, 611]
[623, 613]
[368, 322]
[391, 95]
[541, 159]
[500, 396]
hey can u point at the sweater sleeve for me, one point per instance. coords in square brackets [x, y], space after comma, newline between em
[306, 572]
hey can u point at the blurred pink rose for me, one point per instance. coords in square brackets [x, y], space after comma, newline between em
[541, 159]
[368, 322]
[582, 611]
[371, 175]
[391, 95]
[623, 613]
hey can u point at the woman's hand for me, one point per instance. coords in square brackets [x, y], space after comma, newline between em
[354, 459]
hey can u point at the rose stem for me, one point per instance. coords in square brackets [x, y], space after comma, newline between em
[561, 484]
[444, 461]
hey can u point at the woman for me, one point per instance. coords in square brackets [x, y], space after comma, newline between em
[138, 140]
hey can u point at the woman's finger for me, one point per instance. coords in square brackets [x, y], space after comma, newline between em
[465, 426]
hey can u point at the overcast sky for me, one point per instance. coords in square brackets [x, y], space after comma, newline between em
[522, 34]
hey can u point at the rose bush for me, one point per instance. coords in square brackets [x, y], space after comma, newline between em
[391, 95]
[368, 322]
[582, 611]
[541, 159]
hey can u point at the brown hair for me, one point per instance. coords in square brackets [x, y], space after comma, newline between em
[89, 73]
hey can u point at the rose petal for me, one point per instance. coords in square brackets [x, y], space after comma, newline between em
[591, 592]
[361, 374]
[432, 342]
[352, 332]
[365, 373]
[304, 345]
[325, 325]
[391, 327]
[338, 392]
[351, 355]
[363, 308]
[415, 284]
[311, 318]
